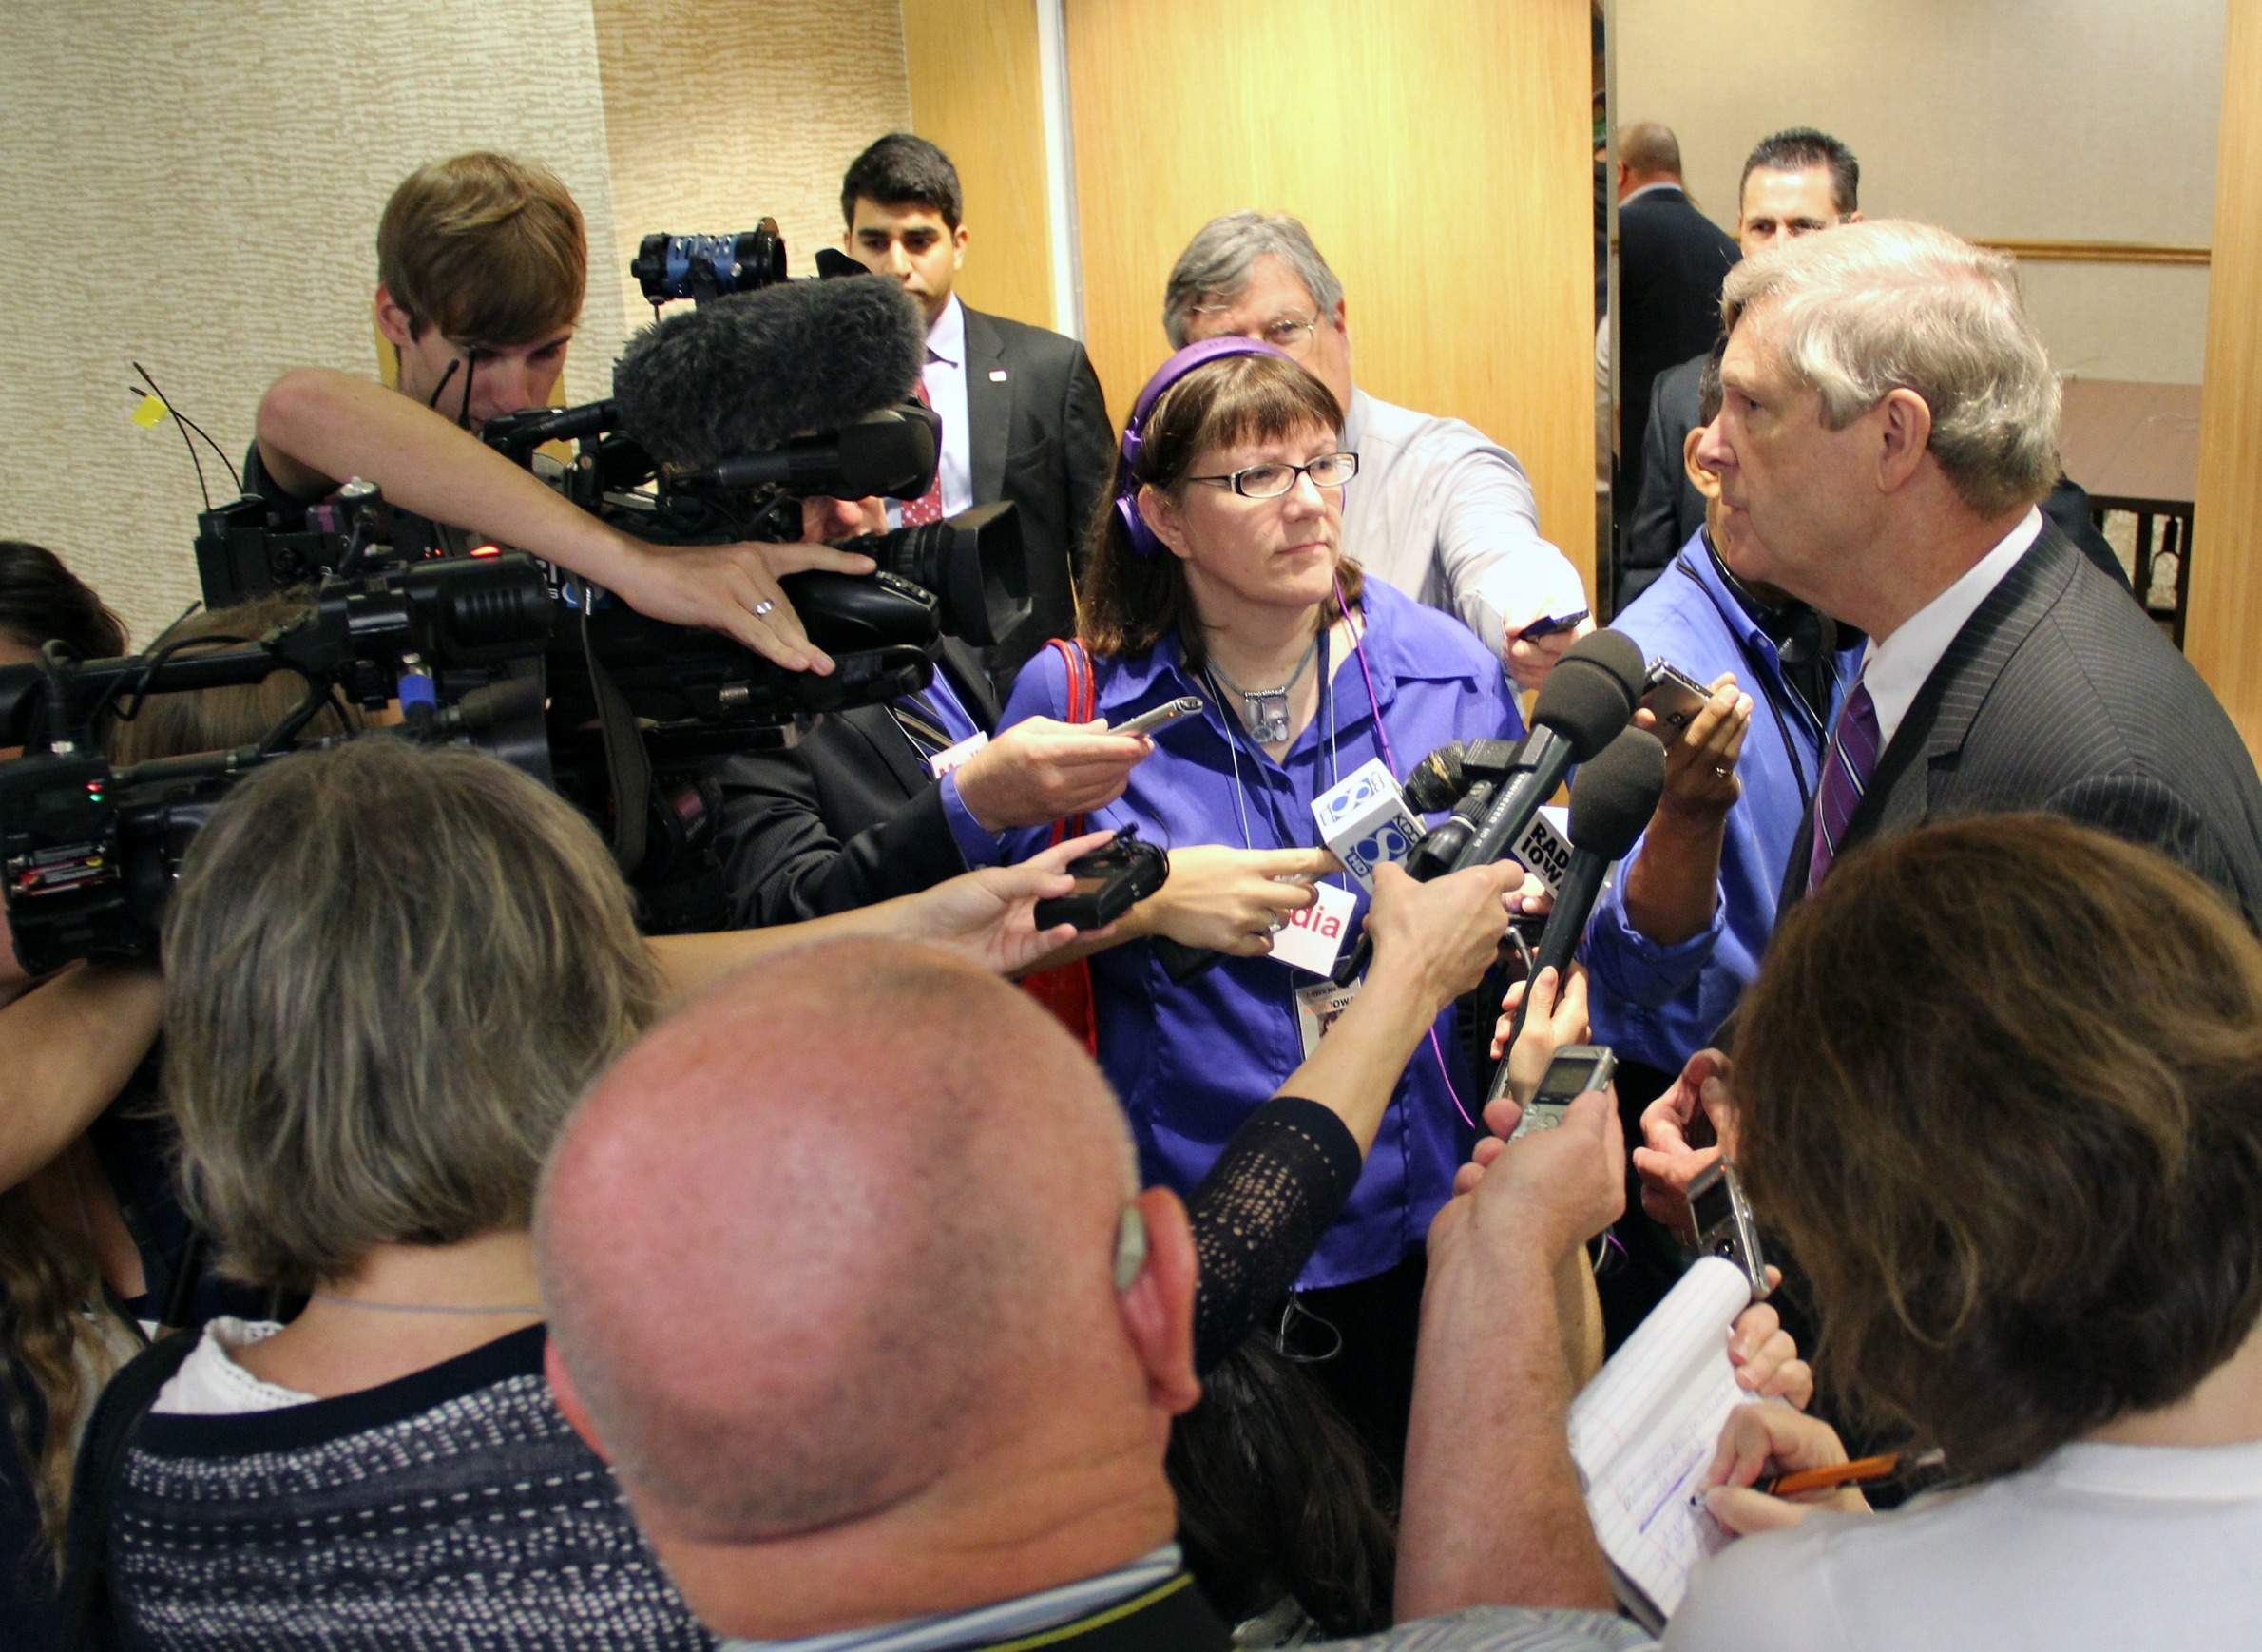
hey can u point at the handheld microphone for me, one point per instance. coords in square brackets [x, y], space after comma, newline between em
[1364, 821]
[1586, 700]
[743, 373]
[1611, 802]
[1439, 781]
[1444, 777]
[1433, 856]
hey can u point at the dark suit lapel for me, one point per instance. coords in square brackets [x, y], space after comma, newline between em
[988, 405]
[1931, 735]
[971, 683]
[890, 746]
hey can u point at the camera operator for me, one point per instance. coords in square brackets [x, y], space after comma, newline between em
[857, 812]
[85, 1247]
[482, 262]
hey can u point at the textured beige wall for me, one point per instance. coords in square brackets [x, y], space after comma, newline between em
[198, 188]
[2078, 120]
[719, 113]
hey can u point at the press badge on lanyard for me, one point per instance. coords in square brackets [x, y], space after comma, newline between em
[944, 762]
[1318, 1008]
[1311, 939]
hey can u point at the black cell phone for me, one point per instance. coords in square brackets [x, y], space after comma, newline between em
[1575, 1070]
[1109, 882]
[1674, 696]
[1547, 624]
[1722, 1217]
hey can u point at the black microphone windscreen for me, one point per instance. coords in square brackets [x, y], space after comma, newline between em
[1592, 691]
[1439, 781]
[741, 373]
[1616, 794]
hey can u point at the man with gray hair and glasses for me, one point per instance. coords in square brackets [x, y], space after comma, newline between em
[1888, 428]
[1439, 510]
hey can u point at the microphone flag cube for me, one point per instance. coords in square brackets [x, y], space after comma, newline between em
[1364, 821]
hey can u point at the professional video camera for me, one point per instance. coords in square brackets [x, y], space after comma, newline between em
[723, 418]
[88, 851]
[702, 267]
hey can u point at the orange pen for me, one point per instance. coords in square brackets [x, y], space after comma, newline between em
[1858, 1472]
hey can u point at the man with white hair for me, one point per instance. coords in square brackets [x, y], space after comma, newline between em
[1889, 423]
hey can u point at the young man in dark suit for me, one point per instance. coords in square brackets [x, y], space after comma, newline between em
[1890, 425]
[1022, 416]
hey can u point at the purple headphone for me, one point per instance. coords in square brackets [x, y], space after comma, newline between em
[1126, 500]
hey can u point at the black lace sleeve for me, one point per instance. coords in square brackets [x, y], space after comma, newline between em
[1258, 1215]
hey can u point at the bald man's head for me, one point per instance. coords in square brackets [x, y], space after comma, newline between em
[825, 1238]
[1648, 148]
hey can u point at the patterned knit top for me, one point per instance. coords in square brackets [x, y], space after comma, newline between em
[454, 1507]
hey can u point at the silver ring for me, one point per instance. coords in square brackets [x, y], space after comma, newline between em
[762, 608]
[1276, 926]
[1722, 770]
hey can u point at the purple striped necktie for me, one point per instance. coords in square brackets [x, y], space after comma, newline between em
[1845, 776]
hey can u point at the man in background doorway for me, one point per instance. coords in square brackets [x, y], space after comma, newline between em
[1795, 182]
[1671, 260]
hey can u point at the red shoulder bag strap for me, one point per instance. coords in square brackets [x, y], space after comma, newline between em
[1066, 989]
[1083, 706]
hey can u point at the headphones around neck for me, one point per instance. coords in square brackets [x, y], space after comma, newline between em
[1184, 362]
[1801, 633]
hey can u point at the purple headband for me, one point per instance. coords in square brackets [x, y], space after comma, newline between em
[1126, 500]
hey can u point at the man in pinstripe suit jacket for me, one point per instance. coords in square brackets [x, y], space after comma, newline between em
[1890, 420]
[1888, 426]
[1890, 423]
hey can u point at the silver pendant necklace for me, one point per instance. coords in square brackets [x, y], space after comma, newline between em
[1265, 710]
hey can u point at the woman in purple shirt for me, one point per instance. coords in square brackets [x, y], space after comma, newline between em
[1221, 572]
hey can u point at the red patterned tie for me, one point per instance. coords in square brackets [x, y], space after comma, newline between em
[929, 505]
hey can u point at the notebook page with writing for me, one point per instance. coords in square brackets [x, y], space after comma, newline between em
[1644, 1429]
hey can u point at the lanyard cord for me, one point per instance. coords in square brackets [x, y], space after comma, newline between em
[1382, 735]
[1767, 692]
[1235, 731]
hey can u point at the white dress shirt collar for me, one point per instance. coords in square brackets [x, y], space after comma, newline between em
[1897, 667]
[946, 340]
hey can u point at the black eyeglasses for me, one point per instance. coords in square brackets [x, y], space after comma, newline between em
[1270, 480]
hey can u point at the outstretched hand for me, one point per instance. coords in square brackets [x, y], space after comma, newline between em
[1232, 900]
[1529, 659]
[1558, 1016]
[733, 588]
[1041, 770]
[1564, 1186]
[1683, 1132]
[988, 918]
[1449, 928]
